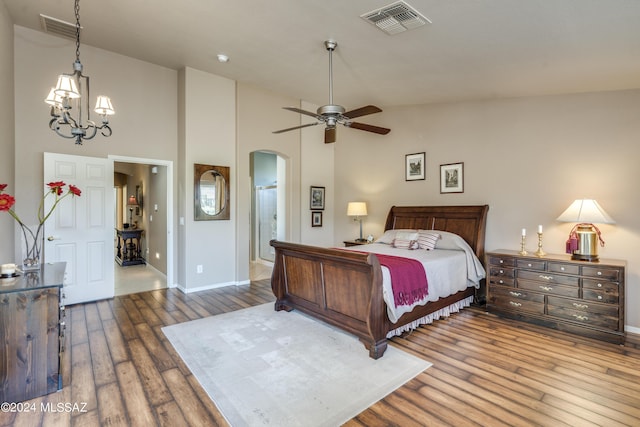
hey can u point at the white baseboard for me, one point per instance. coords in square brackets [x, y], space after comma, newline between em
[632, 329]
[208, 287]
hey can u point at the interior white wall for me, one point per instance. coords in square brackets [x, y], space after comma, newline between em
[317, 163]
[144, 97]
[7, 159]
[528, 158]
[209, 138]
[259, 113]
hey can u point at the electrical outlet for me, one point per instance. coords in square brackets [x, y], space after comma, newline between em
[199, 268]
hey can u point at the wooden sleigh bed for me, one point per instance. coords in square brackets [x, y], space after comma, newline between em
[344, 288]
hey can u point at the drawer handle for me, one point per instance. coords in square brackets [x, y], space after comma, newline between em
[599, 273]
[501, 281]
[515, 304]
[599, 285]
[501, 271]
[580, 317]
[546, 288]
[561, 268]
[515, 294]
[501, 261]
[599, 296]
[529, 265]
[542, 276]
[576, 305]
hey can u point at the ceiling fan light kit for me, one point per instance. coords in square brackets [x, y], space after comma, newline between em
[333, 114]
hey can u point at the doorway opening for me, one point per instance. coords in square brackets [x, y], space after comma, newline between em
[267, 211]
[143, 208]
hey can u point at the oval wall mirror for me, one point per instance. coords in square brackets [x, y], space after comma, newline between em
[211, 190]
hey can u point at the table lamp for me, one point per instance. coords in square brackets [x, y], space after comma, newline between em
[584, 236]
[131, 202]
[357, 210]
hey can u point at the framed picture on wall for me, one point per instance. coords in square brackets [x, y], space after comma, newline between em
[452, 178]
[414, 167]
[316, 219]
[317, 198]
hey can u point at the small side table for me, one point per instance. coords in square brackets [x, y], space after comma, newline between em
[129, 252]
[356, 242]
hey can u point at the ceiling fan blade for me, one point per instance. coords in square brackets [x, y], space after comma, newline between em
[363, 111]
[296, 127]
[329, 135]
[368, 128]
[297, 110]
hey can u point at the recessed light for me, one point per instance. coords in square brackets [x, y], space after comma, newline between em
[223, 58]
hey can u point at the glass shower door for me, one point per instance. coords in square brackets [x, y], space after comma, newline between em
[266, 213]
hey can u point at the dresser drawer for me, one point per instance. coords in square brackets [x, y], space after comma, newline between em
[522, 294]
[549, 278]
[549, 288]
[530, 263]
[516, 304]
[598, 315]
[563, 268]
[603, 273]
[502, 280]
[505, 261]
[600, 296]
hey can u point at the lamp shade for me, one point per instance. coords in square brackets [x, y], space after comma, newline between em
[53, 98]
[132, 201]
[585, 210]
[357, 209]
[103, 106]
[67, 87]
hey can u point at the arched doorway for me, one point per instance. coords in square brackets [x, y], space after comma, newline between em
[267, 207]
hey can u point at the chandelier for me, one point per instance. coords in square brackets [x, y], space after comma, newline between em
[68, 94]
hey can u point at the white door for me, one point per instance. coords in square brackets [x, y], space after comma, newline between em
[80, 231]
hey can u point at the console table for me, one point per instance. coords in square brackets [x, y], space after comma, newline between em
[129, 246]
[32, 333]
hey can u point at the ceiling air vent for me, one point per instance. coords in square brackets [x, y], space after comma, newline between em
[396, 18]
[58, 27]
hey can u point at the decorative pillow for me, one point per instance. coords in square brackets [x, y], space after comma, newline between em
[427, 239]
[405, 240]
[452, 241]
[389, 235]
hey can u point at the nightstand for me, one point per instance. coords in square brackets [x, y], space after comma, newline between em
[348, 243]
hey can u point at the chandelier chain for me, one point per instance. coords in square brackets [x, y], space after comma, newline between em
[77, 12]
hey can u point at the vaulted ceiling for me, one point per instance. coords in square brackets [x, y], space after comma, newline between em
[471, 50]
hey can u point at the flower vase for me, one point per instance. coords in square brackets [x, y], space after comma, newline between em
[32, 242]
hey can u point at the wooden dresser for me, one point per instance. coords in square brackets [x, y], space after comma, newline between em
[585, 298]
[31, 333]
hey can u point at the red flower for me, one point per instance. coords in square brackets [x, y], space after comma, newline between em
[2, 187]
[6, 201]
[56, 187]
[74, 190]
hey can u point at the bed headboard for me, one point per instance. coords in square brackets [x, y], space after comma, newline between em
[469, 222]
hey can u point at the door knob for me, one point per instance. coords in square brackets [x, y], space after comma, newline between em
[52, 238]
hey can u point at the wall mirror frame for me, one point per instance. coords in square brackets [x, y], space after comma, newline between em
[211, 192]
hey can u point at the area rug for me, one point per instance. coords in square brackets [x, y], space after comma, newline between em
[268, 368]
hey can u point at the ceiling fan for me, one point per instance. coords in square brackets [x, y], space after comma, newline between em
[333, 114]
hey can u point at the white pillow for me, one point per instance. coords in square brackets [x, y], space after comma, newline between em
[428, 239]
[389, 235]
[451, 241]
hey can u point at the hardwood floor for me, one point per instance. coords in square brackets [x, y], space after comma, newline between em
[119, 370]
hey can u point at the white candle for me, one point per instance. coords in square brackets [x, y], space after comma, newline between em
[524, 232]
[540, 229]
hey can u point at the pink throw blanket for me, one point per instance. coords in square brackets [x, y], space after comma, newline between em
[408, 279]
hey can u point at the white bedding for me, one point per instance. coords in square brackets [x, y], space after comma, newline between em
[448, 271]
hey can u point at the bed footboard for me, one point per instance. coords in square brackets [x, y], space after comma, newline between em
[342, 288]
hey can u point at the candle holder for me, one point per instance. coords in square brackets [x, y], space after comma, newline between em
[523, 251]
[540, 252]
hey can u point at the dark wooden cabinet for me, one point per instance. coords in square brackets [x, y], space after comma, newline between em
[575, 296]
[348, 243]
[32, 333]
